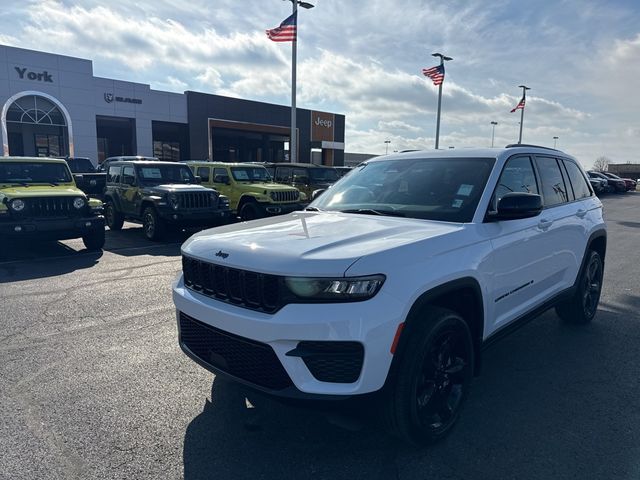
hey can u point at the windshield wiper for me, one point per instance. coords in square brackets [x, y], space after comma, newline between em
[371, 211]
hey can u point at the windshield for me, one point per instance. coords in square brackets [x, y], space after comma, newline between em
[250, 174]
[80, 165]
[446, 189]
[34, 172]
[323, 175]
[160, 174]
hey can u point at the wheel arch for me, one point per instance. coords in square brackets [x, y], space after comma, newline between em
[463, 296]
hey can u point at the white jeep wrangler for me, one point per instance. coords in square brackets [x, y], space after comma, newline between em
[394, 279]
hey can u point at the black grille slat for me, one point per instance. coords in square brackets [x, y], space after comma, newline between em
[194, 200]
[241, 357]
[252, 290]
[51, 207]
[286, 196]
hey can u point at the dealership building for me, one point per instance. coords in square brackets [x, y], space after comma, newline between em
[53, 105]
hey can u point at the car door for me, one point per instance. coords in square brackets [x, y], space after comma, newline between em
[521, 259]
[128, 190]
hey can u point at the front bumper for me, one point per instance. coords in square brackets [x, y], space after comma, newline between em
[276, 339]
[51, 229]
[197, 218]
[271, 209]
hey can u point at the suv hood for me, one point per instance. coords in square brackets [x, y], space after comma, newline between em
[176, 188]
[309, 243]
[269, 187]
[40, 190]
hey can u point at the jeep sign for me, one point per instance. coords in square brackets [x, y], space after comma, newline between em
[40, 76]
[322, 125]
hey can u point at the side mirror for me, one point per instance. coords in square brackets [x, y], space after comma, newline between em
[317, 193]
[198, 179]
[222, 179]
[518, 205]
[78, 177]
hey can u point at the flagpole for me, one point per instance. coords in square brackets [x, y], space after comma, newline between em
[524, 94]
[442, 59]
[293, 141]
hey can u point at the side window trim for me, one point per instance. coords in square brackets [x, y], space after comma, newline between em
[567, 180]
[535, 175]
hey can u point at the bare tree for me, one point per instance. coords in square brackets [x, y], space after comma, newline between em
[601, 164]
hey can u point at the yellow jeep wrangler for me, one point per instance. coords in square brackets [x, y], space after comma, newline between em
[250, 188]
[39, 200]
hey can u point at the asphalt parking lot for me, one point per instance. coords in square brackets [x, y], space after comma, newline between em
[93, 384]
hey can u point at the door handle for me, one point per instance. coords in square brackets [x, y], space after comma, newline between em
[581, 213]
[544, 224]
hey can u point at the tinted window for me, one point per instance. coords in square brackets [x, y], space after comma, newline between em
[220, 175]
[578, 182]
[300, 175]
[517, 176]
[159, 174]
[203, 173]
[446, 189]
[34, 172]
[283, 174]
[114, 175]
[323, 175]
[80, 165]
[554, 190]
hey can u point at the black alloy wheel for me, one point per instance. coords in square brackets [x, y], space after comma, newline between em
[112, 218]
[152, 224]
[582, 307]
[430, 378]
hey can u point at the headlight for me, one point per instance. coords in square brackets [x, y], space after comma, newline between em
[273, 195]
[17, 205]
[173, 199]
[336, 289]
[223, 202]
[78, 203]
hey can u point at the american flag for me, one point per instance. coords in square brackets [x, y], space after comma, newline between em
[520, 105]
[286, 32]
[436, 74]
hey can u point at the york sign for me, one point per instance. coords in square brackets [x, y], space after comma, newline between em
[40, 76]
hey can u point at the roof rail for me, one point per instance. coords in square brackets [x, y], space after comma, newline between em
[514, 145]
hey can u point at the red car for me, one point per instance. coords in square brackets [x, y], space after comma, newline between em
[631, 184]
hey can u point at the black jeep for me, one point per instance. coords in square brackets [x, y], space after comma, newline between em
[160, 195]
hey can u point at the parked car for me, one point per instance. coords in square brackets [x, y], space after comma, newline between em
[615, 185]
[39, 200]
[306, 177]
[629, 182]
[392, 282]
[598, 185]
[160, 195]
[604, 181]
[87, 177]
[250, 189]
[104, 166]
[342, 171]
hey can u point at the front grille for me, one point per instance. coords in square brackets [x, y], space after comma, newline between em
[335, 362]
[252, 290]
[285, 196]
[243, 358]
[51, 207]
[194, 200]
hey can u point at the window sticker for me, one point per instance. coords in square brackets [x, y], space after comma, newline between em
[457, 203]
[151, 173]
[465, 190]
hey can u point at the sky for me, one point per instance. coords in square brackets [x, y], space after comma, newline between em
[363, 59]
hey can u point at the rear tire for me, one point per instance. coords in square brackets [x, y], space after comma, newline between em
[432, 378]
[582, 307]
[152, 224]
[94, 241]
[249, 212]
[113, 219]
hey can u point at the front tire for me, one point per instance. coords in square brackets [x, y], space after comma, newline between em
[582, 307]
[152, 224]
[113, 219]
[432, 379]
[94, 241]
[249, 212]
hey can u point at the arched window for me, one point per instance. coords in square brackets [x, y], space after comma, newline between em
[36, 110]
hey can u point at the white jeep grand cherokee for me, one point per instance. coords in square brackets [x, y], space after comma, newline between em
[394, 279]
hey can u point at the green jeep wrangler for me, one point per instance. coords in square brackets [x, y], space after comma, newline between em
[306, 177]
[251, 191]
[40, 201]
[160, 195]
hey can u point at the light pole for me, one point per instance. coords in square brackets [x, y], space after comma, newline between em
[443, 58]
[493, 132]
[293, 143]
[524, 94]
[386, 150]
[555, 141]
